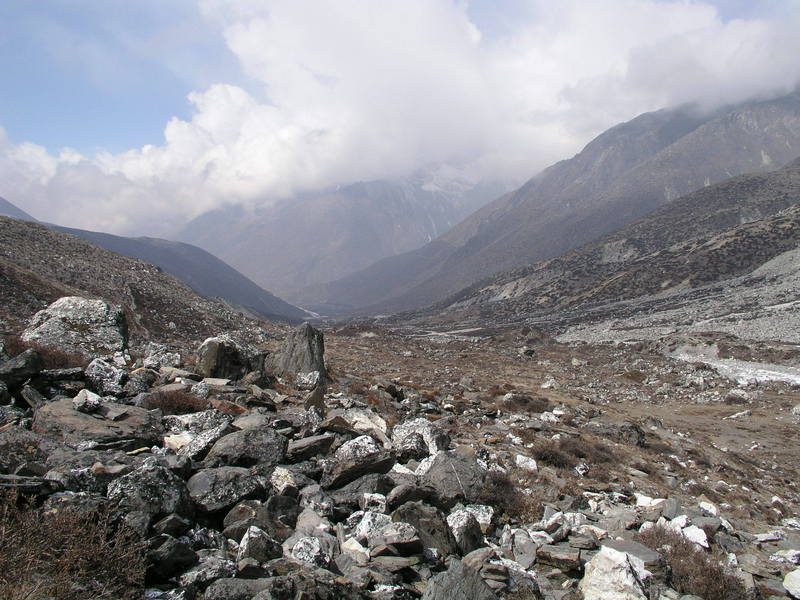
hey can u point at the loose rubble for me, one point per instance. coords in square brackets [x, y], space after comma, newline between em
[369, 488]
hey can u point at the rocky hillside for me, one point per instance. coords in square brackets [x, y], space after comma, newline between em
[320, 237]
[623, 174]
[718, 232]
[9, 210]
[38, 265]
[203, 272]
[503, 467]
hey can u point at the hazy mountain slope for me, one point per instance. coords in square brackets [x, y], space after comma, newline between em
[9, 210]
[39, 265]
[621, 175]
[200, 270]
[320, 237]
[714, 233]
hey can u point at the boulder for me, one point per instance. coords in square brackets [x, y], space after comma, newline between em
[225, 358]
[152, 490]
[75, 324]
[355, 458]
[302, 352]
[435, 439]
[235, 589]
[112, 423]
[106, 378]
[456, 478]
[615, 575]
[258, 545]
[248, 447]
[214, 490]
[431, 525]
[167, 557]
[16, 371]
[792, 583]
[459, 582]
[19, 447]
[466, 530]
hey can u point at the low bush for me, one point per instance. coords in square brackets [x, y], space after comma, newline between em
[69, 554]
[693, 571]
[502, 493]
[54, 358]
[176, 403]
[567, 452]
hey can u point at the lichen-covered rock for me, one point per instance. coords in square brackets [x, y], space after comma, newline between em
[106, 378]
[258, 545]
[355, 458]
[248, 447]
[87, 402]
[90, 327]
[213, 490]
[431, 525]
[153, 490]
[167, 557]
[19, 447]
[435, 439]
[302, 352]
[466, 530]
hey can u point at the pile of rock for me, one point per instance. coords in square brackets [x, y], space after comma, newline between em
[321, 495]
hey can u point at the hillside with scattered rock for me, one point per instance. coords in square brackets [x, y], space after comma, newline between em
[38, 265]
[367, 463]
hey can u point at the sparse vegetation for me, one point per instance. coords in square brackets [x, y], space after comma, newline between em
[54, 358]
[69, 555]
[567, 452]
[176, 403]
[502, 493]
[692, 570]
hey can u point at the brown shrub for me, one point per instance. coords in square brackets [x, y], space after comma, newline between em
[54, 358]
[567, 452]
[692, 570]
[176, 403]
[502, 493]
[70, 555]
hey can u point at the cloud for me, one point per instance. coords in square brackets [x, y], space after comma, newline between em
[361, 89]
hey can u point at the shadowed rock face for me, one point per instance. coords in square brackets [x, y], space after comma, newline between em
[302, 352]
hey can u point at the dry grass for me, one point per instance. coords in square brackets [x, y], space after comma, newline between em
[567, 452]
[692, 570]
[54, 358]
[502, 493]
[176, 403]
[69, 555]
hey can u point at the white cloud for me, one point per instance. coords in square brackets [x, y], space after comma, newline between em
[362, 89]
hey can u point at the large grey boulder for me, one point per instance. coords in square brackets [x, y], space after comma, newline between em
[90, 327]
[248, 447]
[456, 478]
[223, 357]
[355, 458]
[459, 582]
[106, 378]
[213, 490]
[302, 352]
[431, 524]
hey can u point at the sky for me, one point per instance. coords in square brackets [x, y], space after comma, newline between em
[133, 117]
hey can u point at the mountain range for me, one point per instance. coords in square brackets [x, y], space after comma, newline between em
[621, 175]
[320, 237]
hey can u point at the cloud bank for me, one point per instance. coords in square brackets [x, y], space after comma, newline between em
[365, 89]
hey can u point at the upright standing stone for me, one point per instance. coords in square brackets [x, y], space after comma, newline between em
[303, 352]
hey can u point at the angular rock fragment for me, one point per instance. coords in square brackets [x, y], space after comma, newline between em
[213, 490]
[459, 582]
[247, 448]
[355, 458]
[302, 352]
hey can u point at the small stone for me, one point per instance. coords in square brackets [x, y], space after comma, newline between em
[87, 402]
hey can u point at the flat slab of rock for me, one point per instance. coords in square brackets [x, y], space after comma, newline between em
[60, 420]
[248, 447]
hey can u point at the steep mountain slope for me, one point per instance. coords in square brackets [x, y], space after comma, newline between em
[320, 237]
[39, 265]
[621, 175]
[200, 270]
[9, 210]
[714, 233]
